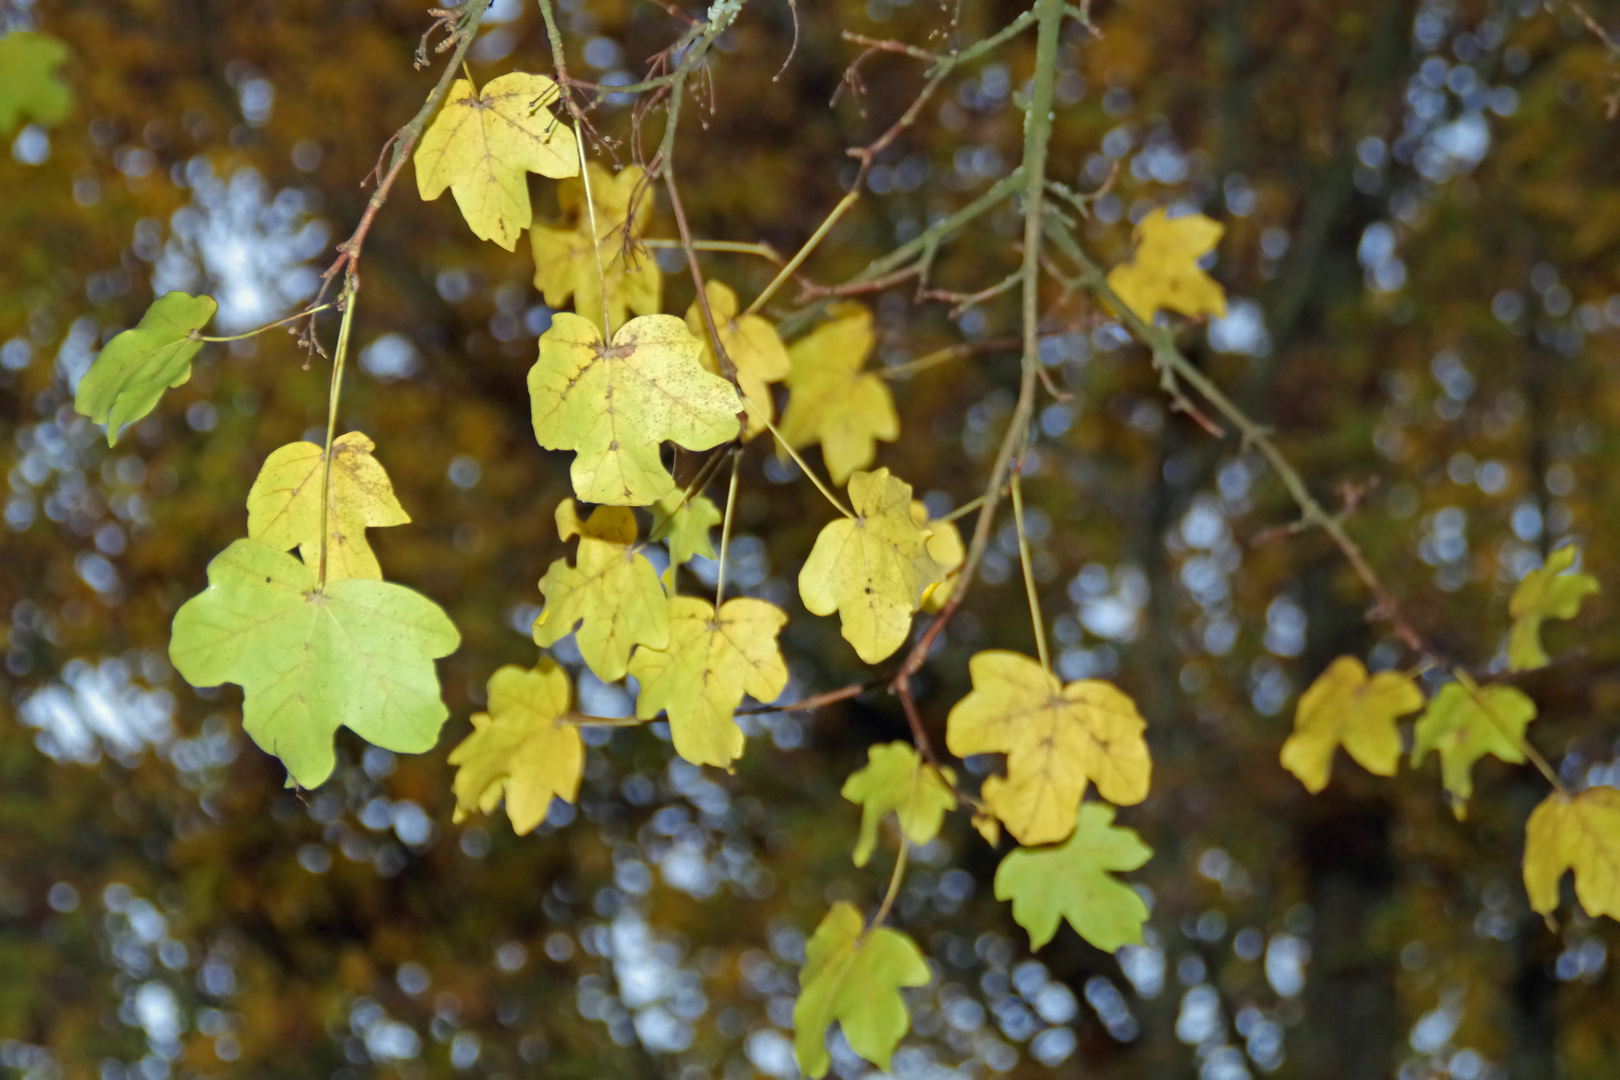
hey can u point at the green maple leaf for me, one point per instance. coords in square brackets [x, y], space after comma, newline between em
[1345, 707]
[872, 569]
[1464, 723]
[685, 524]
[854, 979]
[700, 676]
[29, 84]
[614, 403]
[130, 374]
[483, 146]
[523, 748]
[358, 654]
[896, 780]
[1545, 593]
[1071, 881]
[611, 593]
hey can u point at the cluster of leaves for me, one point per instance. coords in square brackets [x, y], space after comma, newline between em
[1463, 722]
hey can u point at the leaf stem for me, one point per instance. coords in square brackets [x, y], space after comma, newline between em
[698, 482]
[596, 238]
[1506, 731]
[800, 462]
[725, 534]
[736, 247]
[963, 511]
[894, 886]
[1023, 557]
[339, 355]
[810, 245]
[268, 326]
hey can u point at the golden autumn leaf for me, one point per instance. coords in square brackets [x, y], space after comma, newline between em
[1580, 833]
[831, 400]
[522, 749]
[1344, 707]
[1163, 271]
[752, 345]
[1545, 593]
[566, 252]
[1057, 738]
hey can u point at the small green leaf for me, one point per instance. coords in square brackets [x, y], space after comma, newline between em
[685, 526]
[127, 379]
[1546, 593]
[1070, 880]
[1464, 726]
[29, 84]
[358, 654]
[854, 979]
[895, 779]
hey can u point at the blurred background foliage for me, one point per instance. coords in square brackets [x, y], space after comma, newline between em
[1422, 208]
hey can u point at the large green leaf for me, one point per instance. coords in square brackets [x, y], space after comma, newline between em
[132, 372]
[357, 654]
[1071, 881]
[855, 979]
[29, 85]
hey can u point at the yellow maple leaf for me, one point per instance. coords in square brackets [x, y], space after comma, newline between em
[1163, 271]
[1580, 833]
[831, 400]
[873, 569]
[700, 676]
[284, 504]
[945, 547]
[1464, 723]
[565, 253]
[1345, 707]
[751, 344]
[523, 748]
[611, 593]
[1056, 737]
[896, 780]
[614, 403]
[1545, 593]
[482, 146]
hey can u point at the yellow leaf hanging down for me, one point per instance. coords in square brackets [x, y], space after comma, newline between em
[1465, 726]
[945, 547]
[1056, 738]
[1546, 593]
[1581, 834]
[284, 504]
[482, 146]
[831, 400]
[752, 345]
[613, 404]
[854, 978]
[565, 254]
[897, 781]
[873, 570]
[1345, 707]
[611, 593]
[1163, 271]
[700, 677]
[523, 748]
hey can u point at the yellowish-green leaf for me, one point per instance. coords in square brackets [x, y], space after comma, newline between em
[130, 374]
[1580, 833]
[945, 547]
[1545, 593]
[1072, 881]
[565, 253]
[831, 400]
[685, 525]
[30, 88]
[897, 781]
[1464, 726]
[523, 748]
[358, 654]
[611, 593]
[854, 978]
[1163, 271]
[483, 146]
[751, 344]
[700, 677]
[613, 404]
[872, 570]
[1056, 737]
[1344, 707]
[284, 504]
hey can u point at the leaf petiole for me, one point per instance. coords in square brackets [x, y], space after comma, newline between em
[266, 326]
[799, 461]
[725, 534]
[338, 355]
[794, 263]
